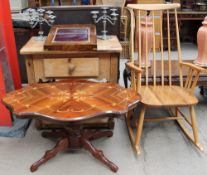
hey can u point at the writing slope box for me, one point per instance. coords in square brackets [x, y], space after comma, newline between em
[72, 37]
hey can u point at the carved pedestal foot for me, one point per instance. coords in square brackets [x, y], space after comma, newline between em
[98, 154]
[60, 146]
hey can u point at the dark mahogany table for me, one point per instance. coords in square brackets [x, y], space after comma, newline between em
[72, 102]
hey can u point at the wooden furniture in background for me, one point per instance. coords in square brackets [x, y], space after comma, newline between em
[187, 4]
[22, 35]
[131, 2]
[117, 3]
[162, 93]
[33, 3]
[189, 22]
[72, 102]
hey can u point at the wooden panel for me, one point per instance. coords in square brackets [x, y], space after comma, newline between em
[71, 67]
[30, 70]
[114, 69]
[105, 65]
[110, 45]
[39, 69]
[34, 47]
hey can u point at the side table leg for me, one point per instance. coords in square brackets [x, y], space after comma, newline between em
[60, 146]
[98, 154]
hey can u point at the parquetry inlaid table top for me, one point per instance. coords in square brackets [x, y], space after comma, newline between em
[70, 100]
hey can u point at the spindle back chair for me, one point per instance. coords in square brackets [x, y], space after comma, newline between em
[154, 81]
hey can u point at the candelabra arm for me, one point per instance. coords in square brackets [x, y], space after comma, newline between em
[33, 26]
[109, 19]
[40, 16]
[98, 19]
[47, 23]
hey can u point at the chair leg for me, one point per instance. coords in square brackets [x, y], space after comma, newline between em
[194, 124]
[194, 136]
[194, 127]
[128, 118]
[139, 130]
[135, 139]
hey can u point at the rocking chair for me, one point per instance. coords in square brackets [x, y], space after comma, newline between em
[152, 78]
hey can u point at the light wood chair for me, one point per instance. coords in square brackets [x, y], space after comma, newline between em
[159, 91]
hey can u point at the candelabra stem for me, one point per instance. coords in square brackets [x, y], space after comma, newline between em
[104, 29]
[41, 32]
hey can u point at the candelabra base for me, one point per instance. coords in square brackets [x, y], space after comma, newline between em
[104, 37]
[40, 38]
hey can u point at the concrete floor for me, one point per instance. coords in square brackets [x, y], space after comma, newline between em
[166, 151]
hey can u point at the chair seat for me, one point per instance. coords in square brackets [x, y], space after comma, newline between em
[166, 96]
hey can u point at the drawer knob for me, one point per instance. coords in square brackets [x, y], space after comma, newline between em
[71, 68]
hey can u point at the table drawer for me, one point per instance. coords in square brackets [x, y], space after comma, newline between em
[71, 67]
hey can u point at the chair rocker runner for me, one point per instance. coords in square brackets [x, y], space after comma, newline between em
[154, 82]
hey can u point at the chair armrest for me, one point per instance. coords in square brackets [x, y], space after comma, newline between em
[193, 66]
[133, 67]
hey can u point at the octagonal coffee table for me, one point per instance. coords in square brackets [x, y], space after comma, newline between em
[72, 102]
